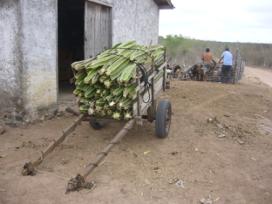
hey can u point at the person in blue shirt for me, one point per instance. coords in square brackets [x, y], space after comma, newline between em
[227, 66]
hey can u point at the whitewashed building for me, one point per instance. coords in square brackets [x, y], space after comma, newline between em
[40, 38]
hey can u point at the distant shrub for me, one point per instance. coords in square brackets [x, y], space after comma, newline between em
[187, 51]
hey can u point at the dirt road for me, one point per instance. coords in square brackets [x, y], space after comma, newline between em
[228, 158]
[263, 75]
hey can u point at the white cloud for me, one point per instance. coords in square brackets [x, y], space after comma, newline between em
[232, 20]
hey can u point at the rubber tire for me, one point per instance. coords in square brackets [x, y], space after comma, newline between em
[95, 124]
[164, 107]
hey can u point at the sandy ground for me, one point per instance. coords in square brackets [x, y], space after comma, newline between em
[263, 75]
[228, 159]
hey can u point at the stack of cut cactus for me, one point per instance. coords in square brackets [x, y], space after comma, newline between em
[106, 85]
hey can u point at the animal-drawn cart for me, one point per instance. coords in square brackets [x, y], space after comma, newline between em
[147, 107]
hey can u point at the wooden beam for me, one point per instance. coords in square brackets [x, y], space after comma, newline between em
[29, 167]
[104, 3]
[79, 181]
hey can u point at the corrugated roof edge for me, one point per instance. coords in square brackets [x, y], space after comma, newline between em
[164, 4]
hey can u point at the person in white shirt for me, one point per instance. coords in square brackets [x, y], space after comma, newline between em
[227, 66]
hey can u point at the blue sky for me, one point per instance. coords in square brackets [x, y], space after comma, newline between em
[232, 20]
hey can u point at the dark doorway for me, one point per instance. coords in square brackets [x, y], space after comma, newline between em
[70, 40]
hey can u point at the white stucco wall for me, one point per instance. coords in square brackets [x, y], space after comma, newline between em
[9, 56]
[135, 20]
[39, 48]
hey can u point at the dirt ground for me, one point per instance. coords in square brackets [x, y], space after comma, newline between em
[263, 75]
[219, 148]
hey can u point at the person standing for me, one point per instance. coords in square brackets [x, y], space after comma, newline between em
[227, 66]
[207, 57]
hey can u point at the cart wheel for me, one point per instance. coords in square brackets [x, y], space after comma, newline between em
[163, 119]
[97, 125]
